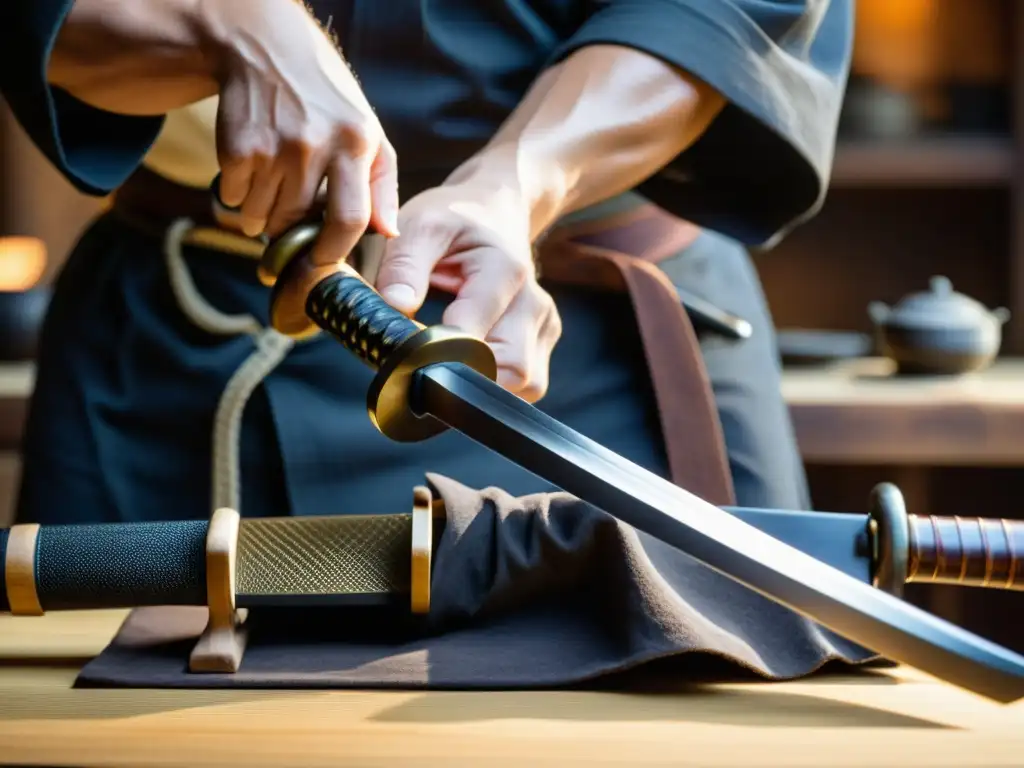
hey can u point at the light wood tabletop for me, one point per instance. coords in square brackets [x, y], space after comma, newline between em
[890, 718]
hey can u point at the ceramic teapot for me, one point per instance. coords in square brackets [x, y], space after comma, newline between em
[938, 331]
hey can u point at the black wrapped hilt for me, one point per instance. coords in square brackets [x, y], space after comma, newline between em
[359, 317]
[349, 309]
[106, 565]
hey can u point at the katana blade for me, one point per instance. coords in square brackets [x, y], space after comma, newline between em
[477, 407]
[430, 379]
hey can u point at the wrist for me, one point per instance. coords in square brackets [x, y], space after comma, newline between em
[541, 184]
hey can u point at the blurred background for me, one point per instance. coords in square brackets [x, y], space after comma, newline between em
[928, 181]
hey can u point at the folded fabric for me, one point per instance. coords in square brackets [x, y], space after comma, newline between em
[538, 591]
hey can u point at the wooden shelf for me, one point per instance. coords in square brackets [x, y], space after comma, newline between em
[856, 413]
[941, 161]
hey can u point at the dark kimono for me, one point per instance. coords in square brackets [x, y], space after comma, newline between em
[128, 387]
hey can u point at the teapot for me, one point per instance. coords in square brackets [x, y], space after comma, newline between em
[938, 331]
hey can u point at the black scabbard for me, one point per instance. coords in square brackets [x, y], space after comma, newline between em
[116, 565]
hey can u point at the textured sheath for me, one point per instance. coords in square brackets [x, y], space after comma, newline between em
[4, 605]
[121, 565]
[342, 560]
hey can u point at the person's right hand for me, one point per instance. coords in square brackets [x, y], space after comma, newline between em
[292, 116]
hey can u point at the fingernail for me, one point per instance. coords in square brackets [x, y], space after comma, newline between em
[399, 295]
[253, 227]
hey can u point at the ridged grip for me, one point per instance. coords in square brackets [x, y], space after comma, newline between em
[121, 565]
[356, 315]
[966, 551]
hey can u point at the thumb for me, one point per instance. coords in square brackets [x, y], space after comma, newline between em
[403, 278]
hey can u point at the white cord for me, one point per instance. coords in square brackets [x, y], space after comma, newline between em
[271, 348]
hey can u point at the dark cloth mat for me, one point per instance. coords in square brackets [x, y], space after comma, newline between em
[538, 591]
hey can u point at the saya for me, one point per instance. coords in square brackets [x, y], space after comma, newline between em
[347, 560]
[432, 378]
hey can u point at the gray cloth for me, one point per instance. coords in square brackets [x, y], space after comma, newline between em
[536, 591]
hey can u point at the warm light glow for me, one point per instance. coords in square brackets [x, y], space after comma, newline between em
[22, 262]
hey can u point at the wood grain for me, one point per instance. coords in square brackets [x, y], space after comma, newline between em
[898, 718]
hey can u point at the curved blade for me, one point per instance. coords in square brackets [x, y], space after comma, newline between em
[506, 424]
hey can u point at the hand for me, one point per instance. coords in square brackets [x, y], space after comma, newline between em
[290, 114]
[472, 239]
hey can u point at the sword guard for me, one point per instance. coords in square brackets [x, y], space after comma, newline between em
[335, 298]
[890, 528]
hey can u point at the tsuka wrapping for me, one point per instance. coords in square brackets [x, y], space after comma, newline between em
[967, 551]
[359, 317]
[4, 605]
[122, 565]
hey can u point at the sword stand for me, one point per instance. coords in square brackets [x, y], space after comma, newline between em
[222, 644]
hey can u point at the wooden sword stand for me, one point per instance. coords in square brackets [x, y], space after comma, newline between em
[222, 645]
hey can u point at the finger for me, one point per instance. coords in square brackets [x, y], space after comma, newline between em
[297, 195]
[403, 277]
[348, 208]
[520, 351]
[235, 181]
[266, 184]
[235, 154]
[540, 372]
[514, 344]
[384, 191]
[492, 281]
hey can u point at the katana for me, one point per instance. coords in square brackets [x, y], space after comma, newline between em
[386, 559]
[429, 379]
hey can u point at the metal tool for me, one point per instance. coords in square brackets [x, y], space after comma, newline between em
[433, 378]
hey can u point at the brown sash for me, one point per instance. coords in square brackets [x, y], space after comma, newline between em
[618, 252]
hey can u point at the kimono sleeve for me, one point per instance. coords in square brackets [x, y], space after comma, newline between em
[94, 149]
[764, 165]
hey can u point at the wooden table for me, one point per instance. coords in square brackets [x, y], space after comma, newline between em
[856, 412]
[890, 719]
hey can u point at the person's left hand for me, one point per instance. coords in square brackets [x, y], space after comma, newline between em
[473, 240]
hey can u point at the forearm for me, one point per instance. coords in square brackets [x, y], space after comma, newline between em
[134, 57]
[146, 58]
[601, 122]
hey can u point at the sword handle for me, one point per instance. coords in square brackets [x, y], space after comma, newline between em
[929, 549]
[348, 308]
[966, 551]
[105, 565]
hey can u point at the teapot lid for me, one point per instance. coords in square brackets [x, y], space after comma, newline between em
[942, 307]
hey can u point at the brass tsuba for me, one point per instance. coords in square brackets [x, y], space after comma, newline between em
[288, 297]
[389, 400]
